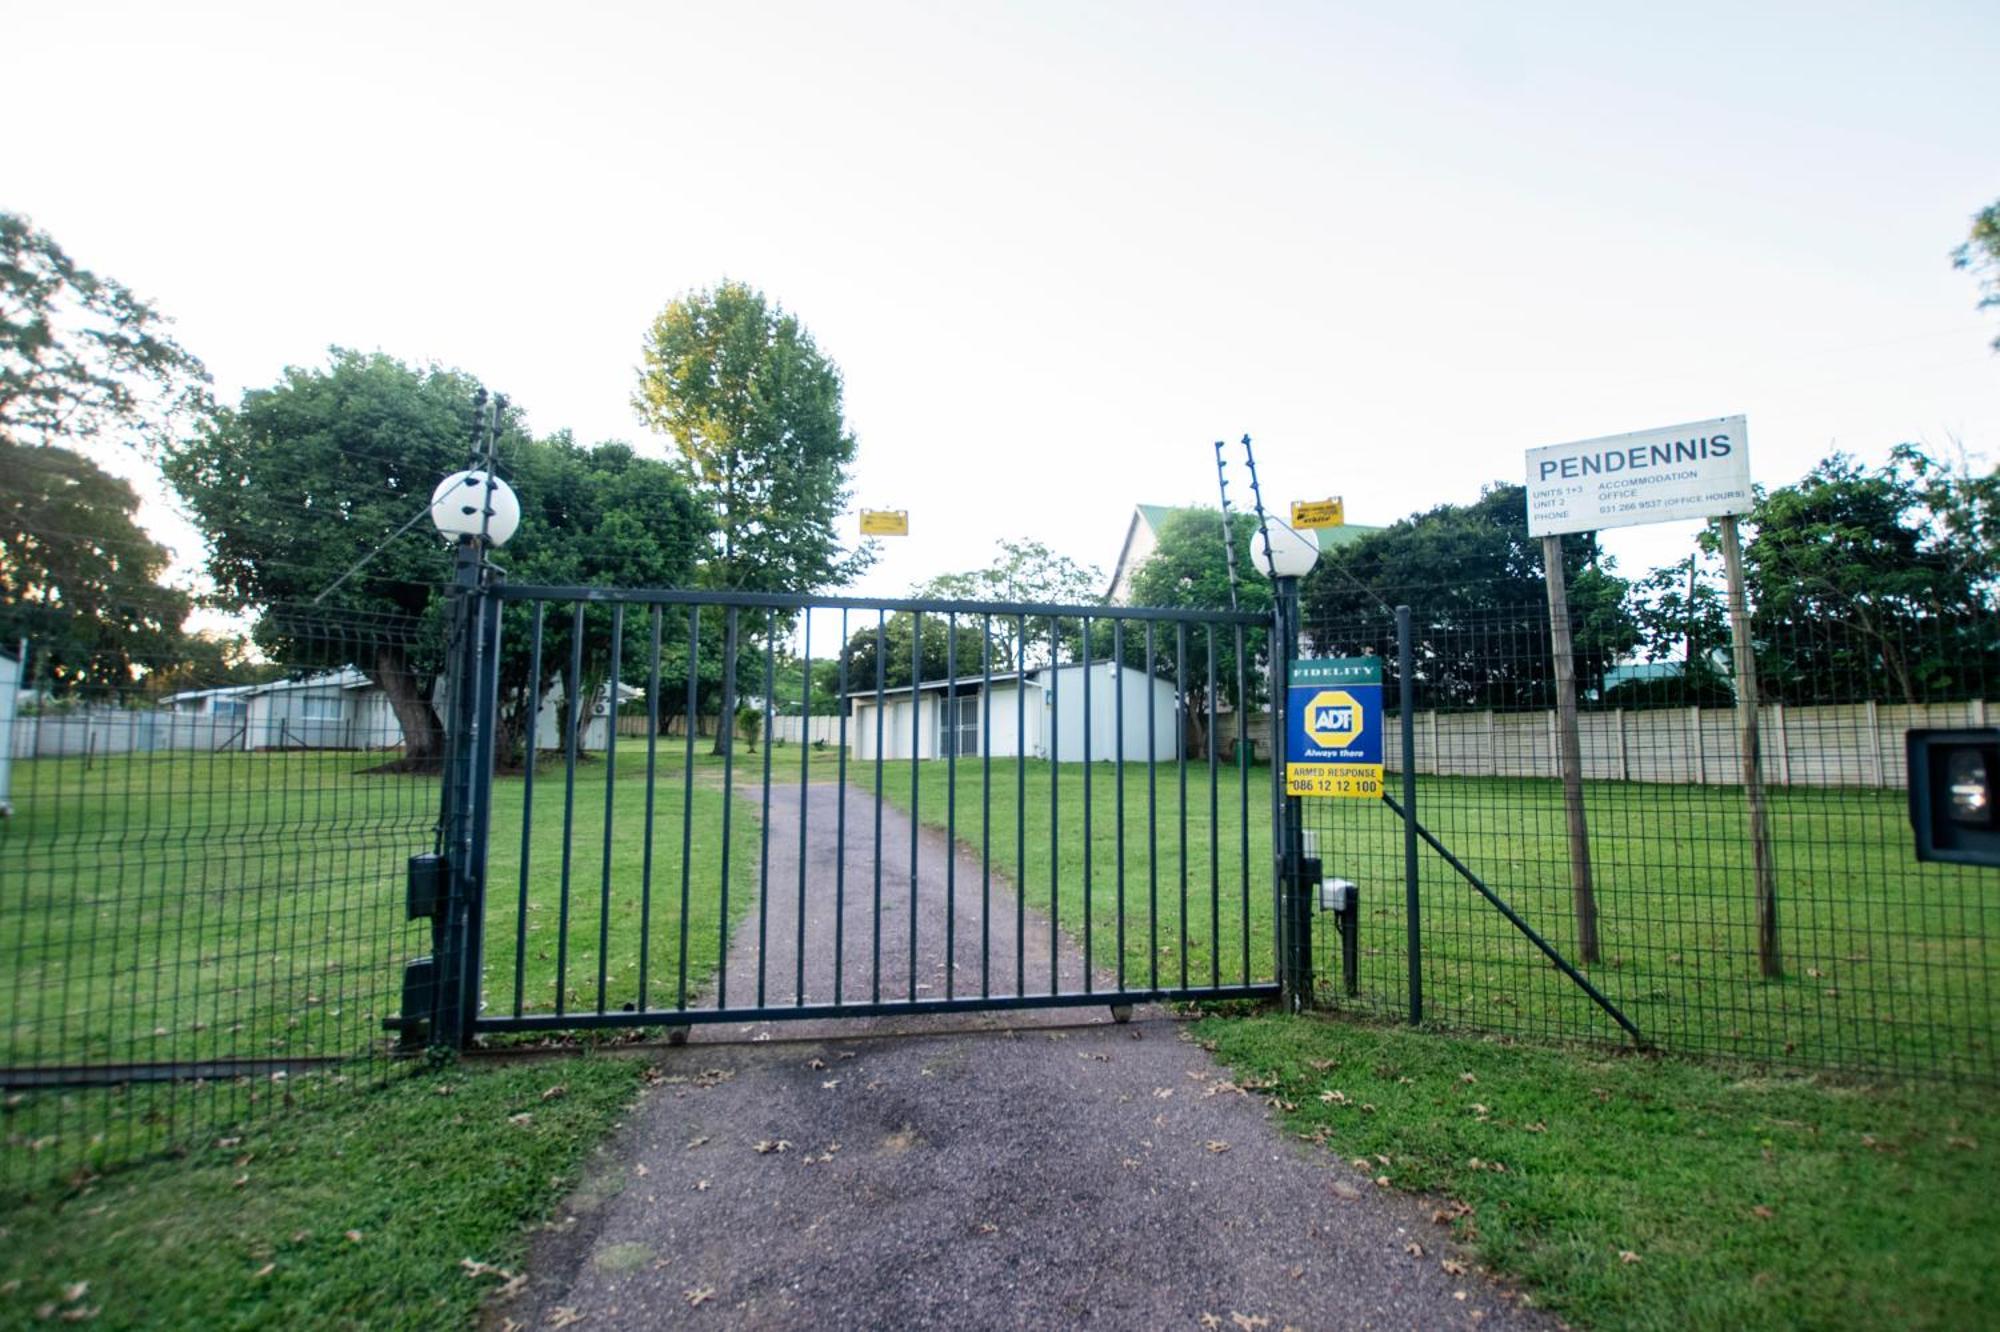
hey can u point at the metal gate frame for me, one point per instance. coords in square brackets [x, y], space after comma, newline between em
[443, 992]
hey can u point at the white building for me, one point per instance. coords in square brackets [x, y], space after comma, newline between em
[341, 709]
[10, 689]
[1041, 716]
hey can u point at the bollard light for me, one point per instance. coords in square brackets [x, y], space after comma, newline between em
[472, 504]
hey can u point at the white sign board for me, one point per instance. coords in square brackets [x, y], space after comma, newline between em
[1698, 470]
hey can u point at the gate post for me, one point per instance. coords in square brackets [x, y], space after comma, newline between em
[472, 679]
[1288, 840]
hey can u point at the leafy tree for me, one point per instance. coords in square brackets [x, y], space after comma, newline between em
[754, 409]
[82, 357]
[898, 646]
[208, 661]
[301, 480]
[1980, 254]
[1875, 583]
[78, 577]
[1189, 570]
[1474, 579]
[1022, 571]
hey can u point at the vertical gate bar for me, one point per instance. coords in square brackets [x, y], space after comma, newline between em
[1089, 848]
[1055, 811]
[528, 808]
[570, 690]
[687, 802]
[610, 801]
[986, 810]
[764, 823]
[881, 666]
[916, 750]
[948, 726]
[1021, 804]
[1243, 786]
[656, 624]
[840, 830]
[1152, 818]
[1214, 831]
[473, 974]
[725, 735]
[1406, 693]
[1181, 714]
[805, 800]
[1118, 719]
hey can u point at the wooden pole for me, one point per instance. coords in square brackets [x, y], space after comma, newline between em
[1768, 960]
[1569, 747]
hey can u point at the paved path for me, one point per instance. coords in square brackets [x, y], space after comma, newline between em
[1043, 1170]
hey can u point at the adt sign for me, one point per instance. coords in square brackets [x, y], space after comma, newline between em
[1334, 723]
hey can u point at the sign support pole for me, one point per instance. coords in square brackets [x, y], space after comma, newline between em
[1769, 963]
[1570, 747]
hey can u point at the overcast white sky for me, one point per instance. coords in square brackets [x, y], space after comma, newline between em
[1057, 249]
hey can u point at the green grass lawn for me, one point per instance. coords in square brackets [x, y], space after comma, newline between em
[360, 1212]
[187, 907]
[1636, 1192]
[1889, 964]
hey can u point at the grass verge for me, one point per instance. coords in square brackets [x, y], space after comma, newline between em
[1642, 1193]
[361, 1212]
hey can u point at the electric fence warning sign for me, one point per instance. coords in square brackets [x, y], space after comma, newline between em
[1333, 742]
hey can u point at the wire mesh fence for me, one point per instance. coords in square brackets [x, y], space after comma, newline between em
[201, 883]
[1880, 963]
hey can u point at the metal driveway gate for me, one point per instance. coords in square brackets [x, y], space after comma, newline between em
[927, 806]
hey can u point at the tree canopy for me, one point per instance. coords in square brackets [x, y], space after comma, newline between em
[81, 356]
[1980, 255]
[78, 577]
[301, 480]
[754, 409]
[1475, 582]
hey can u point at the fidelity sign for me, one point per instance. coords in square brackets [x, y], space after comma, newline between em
[1700, 470]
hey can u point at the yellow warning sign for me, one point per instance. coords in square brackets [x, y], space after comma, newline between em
[1319, 513]
[885, 522]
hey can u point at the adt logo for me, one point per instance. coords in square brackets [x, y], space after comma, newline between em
[1333, 718]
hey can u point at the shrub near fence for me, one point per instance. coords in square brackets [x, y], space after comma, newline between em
[1886, 964]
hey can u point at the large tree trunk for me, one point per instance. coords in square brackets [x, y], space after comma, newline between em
[423, 732]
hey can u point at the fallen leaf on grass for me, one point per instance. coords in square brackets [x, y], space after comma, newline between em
[816, 1063]
[354, 1237]
[1762, 1213]
[1628, 1257]
[640, 1170]
[696, 1296]
[769, 1145]
[1217, 1145]
[1210, 1320]
[524, 1118]
[988, 1228]
[263, 1271]
[476, 1269]
[563, 1316]
[556, 1093]
[1452, 1267]
[1249, 1322]
[75, 1291]
[1467, 1078]
[695, 1142]
[1414, 1249]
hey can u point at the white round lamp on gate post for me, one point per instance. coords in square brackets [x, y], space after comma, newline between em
[473, 504]
[1289, 553]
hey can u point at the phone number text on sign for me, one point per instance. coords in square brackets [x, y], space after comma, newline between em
[1356, 781]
